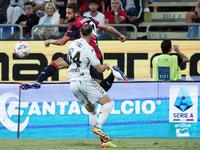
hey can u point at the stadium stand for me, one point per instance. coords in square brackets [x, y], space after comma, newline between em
[161, 12]
[6, 31]
[167, 12]
[173, 4]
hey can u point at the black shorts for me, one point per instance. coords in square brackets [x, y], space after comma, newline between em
[93, 71]
[65, 58]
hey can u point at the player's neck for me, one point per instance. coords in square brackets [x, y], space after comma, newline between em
[86, 38]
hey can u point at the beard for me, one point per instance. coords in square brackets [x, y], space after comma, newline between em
[72, 19]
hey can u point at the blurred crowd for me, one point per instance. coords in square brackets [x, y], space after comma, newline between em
[28, 13]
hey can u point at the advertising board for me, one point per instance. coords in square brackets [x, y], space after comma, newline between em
[141, 109]
[133, 57]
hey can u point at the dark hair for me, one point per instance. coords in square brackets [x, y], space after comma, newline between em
[75, 7]
[28, 3]
[165, 46]
[93, 1]
[86, 29]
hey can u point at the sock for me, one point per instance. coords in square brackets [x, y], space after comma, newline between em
[107, 83]
[47, 72]
[104, 113]
[93, 117]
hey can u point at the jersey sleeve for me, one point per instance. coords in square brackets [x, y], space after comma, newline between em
[96, 22]
[73, 32]
[92, 57]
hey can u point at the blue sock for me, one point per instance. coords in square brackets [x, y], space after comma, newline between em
[107, 83]
[47, 72]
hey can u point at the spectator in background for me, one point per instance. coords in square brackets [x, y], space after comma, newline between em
[3, 9]
[83, 5]
[60, 5]
[15, 9]
[134, 10]
[116, 16]
[39, 7]
[51, 17]
[193, 17]
[2, 18]
[95, 14]
[63, 19]
[166, 67]
[26, 21]
[104, 6]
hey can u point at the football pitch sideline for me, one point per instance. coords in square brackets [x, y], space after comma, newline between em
[94, 144]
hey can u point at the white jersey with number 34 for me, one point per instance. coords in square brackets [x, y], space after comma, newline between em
[80, 54]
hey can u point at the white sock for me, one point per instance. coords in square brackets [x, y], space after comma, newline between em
[93, 117]
[104, 113]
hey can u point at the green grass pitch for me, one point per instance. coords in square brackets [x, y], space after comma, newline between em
[94, 144]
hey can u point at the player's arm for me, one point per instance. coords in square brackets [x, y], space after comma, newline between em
[112, 30]
[101, 68]
[151, 74]
[59, 42]
[185, 58]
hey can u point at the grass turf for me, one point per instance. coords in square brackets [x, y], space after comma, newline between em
[94, 144]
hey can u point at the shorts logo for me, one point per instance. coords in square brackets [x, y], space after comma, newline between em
[183, 103]
[183, 100]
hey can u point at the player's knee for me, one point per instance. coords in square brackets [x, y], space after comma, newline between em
[61, 63]
[109, 106]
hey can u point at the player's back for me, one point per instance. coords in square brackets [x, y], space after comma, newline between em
[81, 54]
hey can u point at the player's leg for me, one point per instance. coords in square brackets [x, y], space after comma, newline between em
[92, 112]
[107, 106]
[107, 83]
[115, 73]
[55, 65]
[93, 119]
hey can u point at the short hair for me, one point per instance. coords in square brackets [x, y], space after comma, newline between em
[51, 4]
[165, 46]
[93, 1]
[28, 3]
[75, 7]
[86, 29]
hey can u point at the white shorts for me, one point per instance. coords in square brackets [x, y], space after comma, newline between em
[87, 91]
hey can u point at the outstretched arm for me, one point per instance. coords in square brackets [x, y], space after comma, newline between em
[112, 30]
[59, 42]
[101, 68]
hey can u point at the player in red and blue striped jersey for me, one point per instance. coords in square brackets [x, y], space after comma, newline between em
[73, 32]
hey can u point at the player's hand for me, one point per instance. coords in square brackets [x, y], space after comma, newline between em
[122, 38]
[175, 48]
[107, 66]
[47, 43]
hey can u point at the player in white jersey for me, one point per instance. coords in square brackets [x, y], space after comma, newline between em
[81, 55]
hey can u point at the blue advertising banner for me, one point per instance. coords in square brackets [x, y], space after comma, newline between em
[141, 109]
